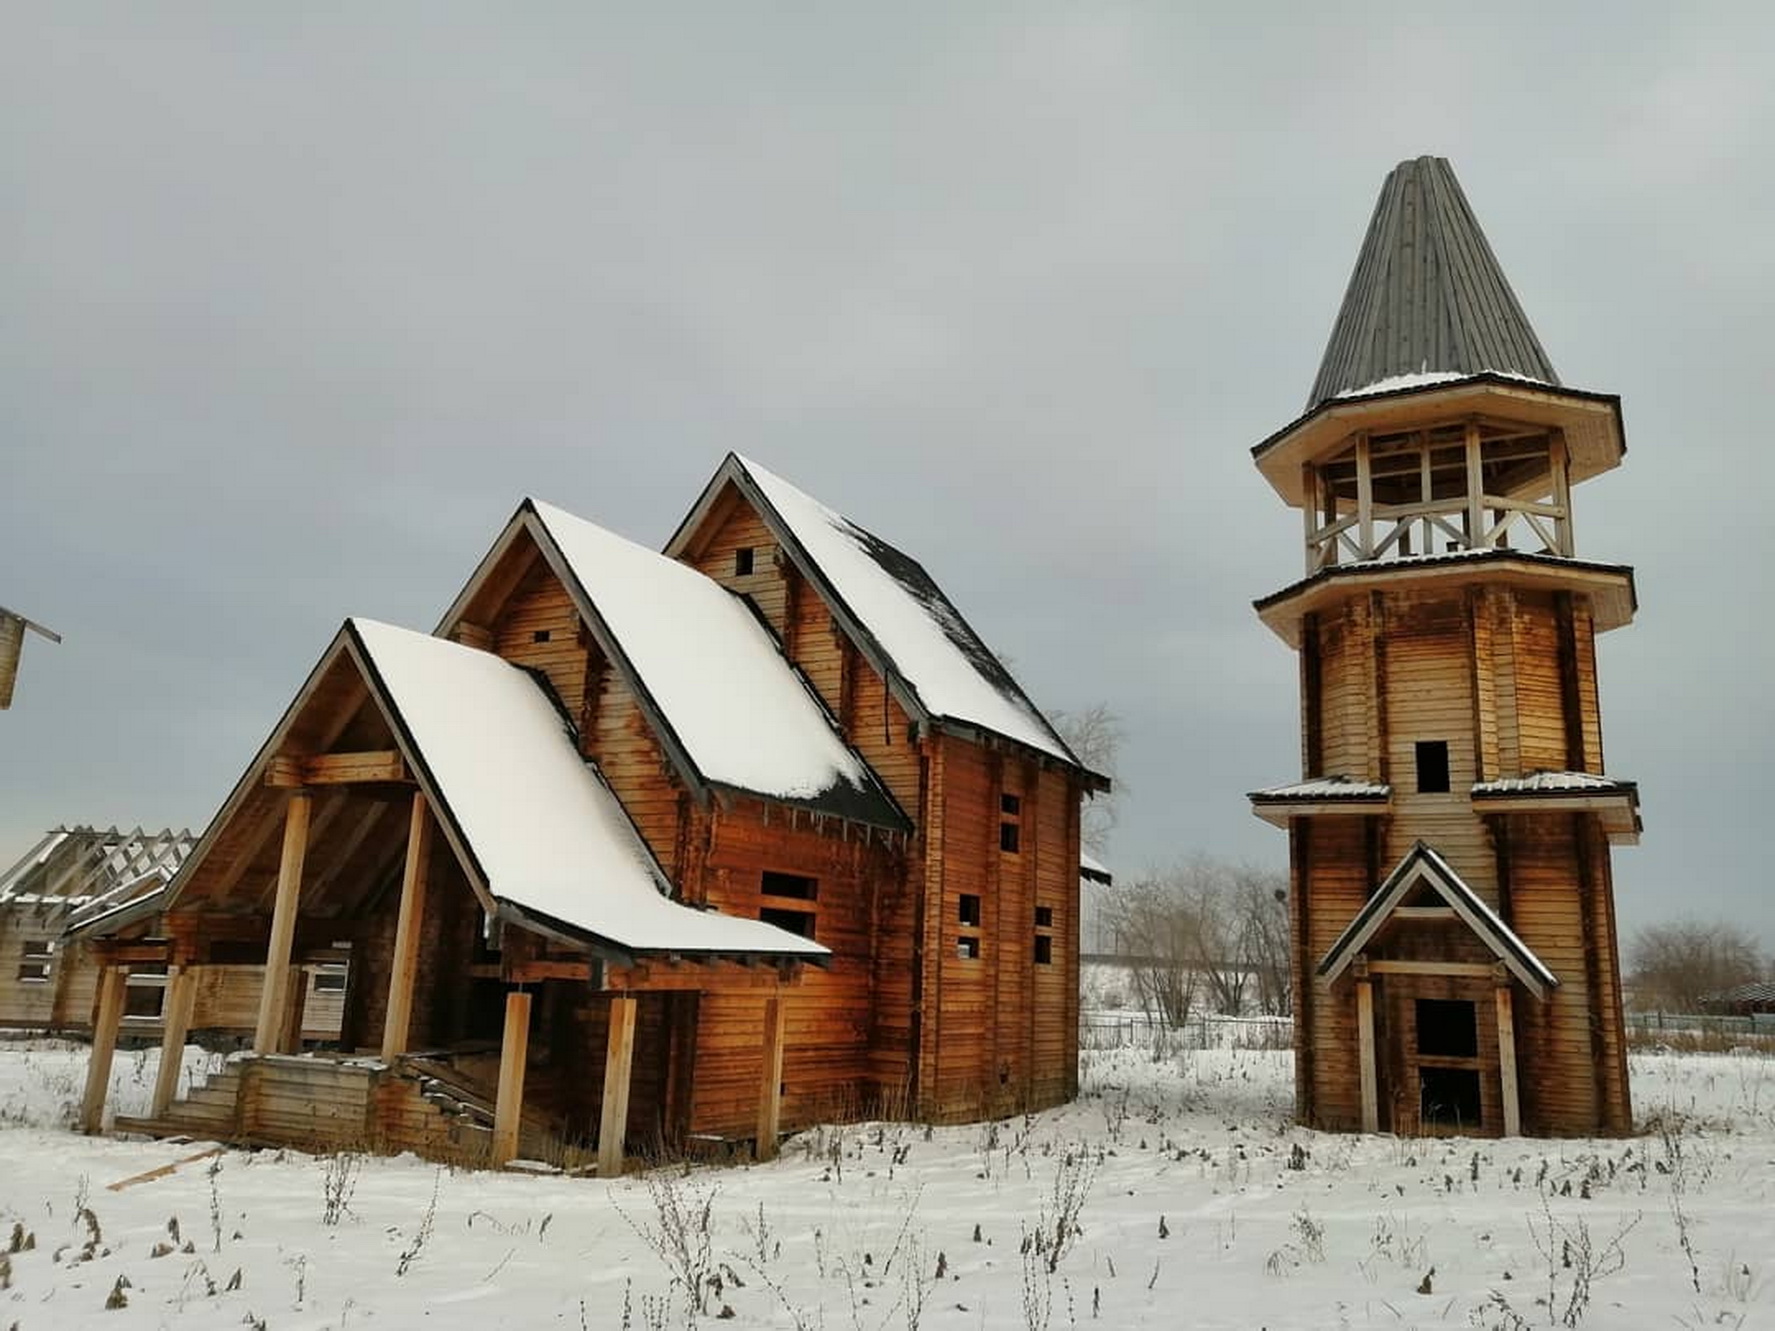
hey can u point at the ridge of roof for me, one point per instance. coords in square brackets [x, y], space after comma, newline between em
[1427, 295]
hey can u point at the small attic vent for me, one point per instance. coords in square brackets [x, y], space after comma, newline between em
[742, 561]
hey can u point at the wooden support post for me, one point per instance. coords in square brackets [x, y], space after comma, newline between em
[1426, 493]
[1364, 498]
[181, 1002]
[1475, 489]
[1371, 1110]
[1507, 1064]
[770, 1077]
[619, 1057]
[112, 980]
[289, 1031]
[514, 1049]
[408, 926]
[274, 997]
[1562, 493]
[1309, 512]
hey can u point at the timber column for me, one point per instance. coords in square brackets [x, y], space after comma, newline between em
[1453, 820]
[274, 998]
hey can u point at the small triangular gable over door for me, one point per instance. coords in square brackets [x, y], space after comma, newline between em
[1433, 966]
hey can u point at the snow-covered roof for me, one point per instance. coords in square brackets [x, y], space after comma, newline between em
[1552, 783]
[545, 833]
[1397, 383]
[1422, 864]
[715, 675]
[1323, 788]
[926, 643]
[1092, 869]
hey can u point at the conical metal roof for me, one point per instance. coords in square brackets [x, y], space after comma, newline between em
[1427, 296]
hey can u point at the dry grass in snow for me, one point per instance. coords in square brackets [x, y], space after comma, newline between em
[1175, 1192]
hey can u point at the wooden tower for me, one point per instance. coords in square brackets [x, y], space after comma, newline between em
[1455, 956]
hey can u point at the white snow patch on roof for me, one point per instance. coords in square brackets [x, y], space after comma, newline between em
[1542, 782]
[545, 829]
[740, 710]
[919, 636]
[1325, 788]
[1394, 383]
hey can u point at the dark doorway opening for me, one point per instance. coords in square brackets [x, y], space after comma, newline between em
[1450, 1097]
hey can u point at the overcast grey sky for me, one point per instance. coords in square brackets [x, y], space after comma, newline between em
[298, 302]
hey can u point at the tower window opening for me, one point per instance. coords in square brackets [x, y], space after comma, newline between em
[742, 561]
[1432, 766]
[1447, 1028]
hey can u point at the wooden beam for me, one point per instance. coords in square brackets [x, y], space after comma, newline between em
[410, 923]
[1507, 1063]
[722, 977]
[112, 980]
[1562, 493]
[1371, 1112]
[1475, 488]
[534, 970]
[619, 1059]
[335, 769]
[275, 995]
[1364, 498]
[1423, 913]
[770, 1077]
[1459, 969]
[514, 1049]
[181, 1002]
[289, 1031]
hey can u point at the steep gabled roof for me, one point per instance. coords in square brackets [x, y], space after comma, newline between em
[542, 829]
[728, 708]
[901, 621]
[1427, 300]
[1423, 866]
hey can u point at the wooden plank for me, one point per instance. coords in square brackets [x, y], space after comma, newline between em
[289, 1035]
[409, 925]
[770, 1078]
[335, 769]
[112, 981]
[514, 1049]
[274, 996]
[1462, 969]
[161, 1171]
[181, 1002]
[619, 1059]
[1507, 1064]
[1364, 498]
[1371, 1120]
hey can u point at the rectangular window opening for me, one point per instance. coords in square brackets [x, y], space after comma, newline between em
[1010, 838]
[795, 921]
[1044, 917]
[1010, 804]
[144, 993]
[802, 888]
[540, 635]
[36, 960]
[742, 561]
[1432, 764]
[1447, 1028]
[1044, 950]
[969, 911]
[967, 948]
[330, 980]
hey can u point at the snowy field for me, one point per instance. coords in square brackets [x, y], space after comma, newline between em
[1175, 1193]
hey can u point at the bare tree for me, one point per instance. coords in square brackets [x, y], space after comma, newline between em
[1205, 930]
[1674, 966]
[1095, 736]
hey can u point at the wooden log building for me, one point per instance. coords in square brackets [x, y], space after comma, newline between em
[641, 850]
[1455, 957]
[73, 881]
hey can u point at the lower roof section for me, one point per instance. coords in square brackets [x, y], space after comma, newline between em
[1610, 587]
[1320, 795]
[543, 831]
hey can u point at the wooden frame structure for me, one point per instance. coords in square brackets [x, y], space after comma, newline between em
[743, 949]
[1455, 958]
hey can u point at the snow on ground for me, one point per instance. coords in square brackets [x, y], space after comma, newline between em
[1175, 1192]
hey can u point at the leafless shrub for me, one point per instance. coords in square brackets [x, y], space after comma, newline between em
[421, 1235]
[680, 1233]
[339, 1185]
